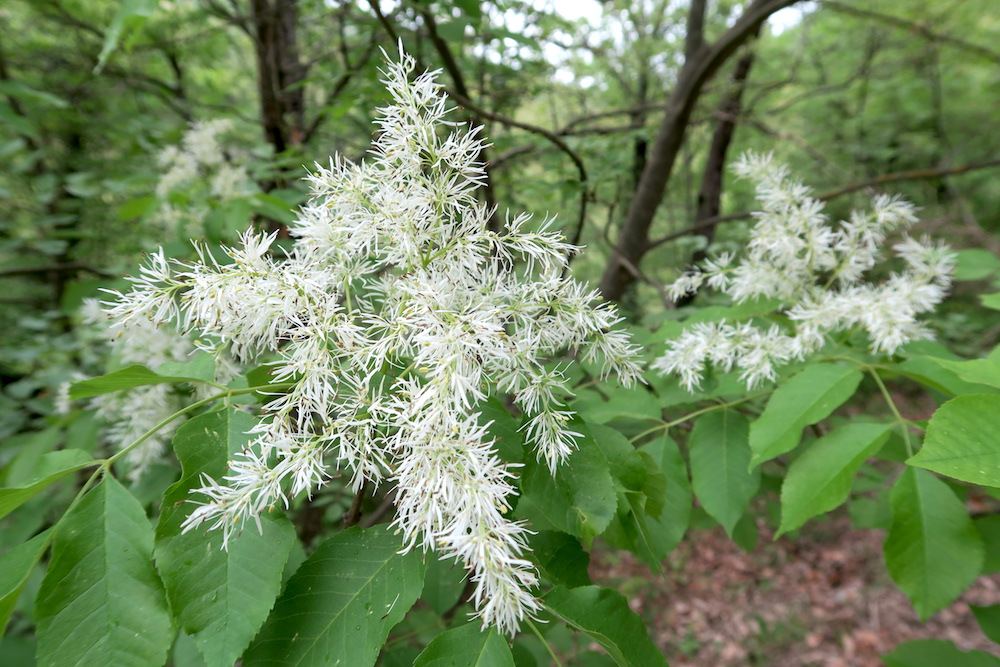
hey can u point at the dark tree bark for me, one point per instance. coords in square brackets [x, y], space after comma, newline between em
[279, 72]
[710, 193]
[701, 63]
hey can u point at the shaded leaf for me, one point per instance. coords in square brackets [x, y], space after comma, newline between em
[220, 598]
[636, 403]
[466, 646]
[721, 475]
[933, 551]
[961, 440]
[340, 605]
[988, 619]
[49, 469]
[820, 479]
[444, 581]
[936, 653]
[580, 499]
[15, 567]
[125, 378]
[560, 558]
[604, 615]
[101, 600]
[509, 439]
[804, 399]
[989, 528]
[200, 367]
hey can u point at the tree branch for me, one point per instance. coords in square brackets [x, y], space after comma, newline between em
[633, 239]
[912, 26]
[555, 140]
[911, 175]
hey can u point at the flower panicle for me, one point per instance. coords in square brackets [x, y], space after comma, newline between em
[816, 271]
[395, 315]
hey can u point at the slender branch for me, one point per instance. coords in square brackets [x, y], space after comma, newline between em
[386, 23]
[353, 515]
[912, 175]
[387, 504]
[913, 27]
[554, 139]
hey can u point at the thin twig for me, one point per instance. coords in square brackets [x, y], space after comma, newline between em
[353, 515]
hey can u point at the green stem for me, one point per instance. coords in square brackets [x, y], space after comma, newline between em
[548, 647]
[103, 465]
[696, 413]
[902, 421]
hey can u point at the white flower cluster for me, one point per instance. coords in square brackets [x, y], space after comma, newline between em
[397, 313]
[131, 414]
[816, 271]
[199, 160]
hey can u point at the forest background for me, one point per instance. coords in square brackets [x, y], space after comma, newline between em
[134, 125]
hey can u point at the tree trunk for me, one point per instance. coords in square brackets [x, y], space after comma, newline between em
[700, 65]
[279, 72]
[710, 194]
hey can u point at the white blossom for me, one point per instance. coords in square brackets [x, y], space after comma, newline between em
[395, 315]
[131, 414]
[816, 271]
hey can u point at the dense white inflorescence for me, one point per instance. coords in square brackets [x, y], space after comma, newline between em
[131, 414]
[395, 315]
[816, 272]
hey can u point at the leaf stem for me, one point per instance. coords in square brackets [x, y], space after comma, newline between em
[697, 413]
[902, 421]
[103, 465]
[548, 647]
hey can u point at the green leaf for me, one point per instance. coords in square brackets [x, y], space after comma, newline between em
[937, 653]
[975, 371]
[675, 515]
[509, 439]
[929, 371]
[989, 528]
[626, 466]
[580, 499]
[657, 518]
[804, 399]
[988, 619]
[126, 378]
[273, 207]
[130, 14]
[961, 440]
[49, 469]
[635, 403]
[933, 551]
[821, 478]
[721, 475]
[339, 606]
[18, 89]
[604, 615]
[991, 300]
[101, 600]
[560, 558]
[136, 208]
[219, 597]
[975, 264]
[15, 567]
[466, 646]
[200, 367]
[444, 581]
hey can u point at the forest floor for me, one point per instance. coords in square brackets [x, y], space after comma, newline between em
[823, 599]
